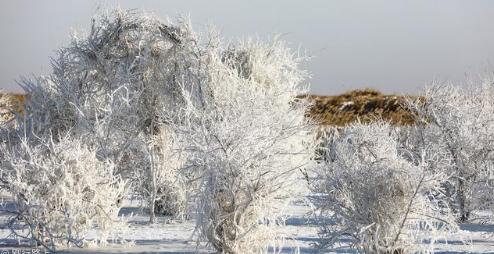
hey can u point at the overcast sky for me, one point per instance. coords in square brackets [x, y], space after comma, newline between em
[393, 46]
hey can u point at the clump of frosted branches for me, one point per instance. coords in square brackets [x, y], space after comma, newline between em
[109, 87]
[61, 190]
[382, 201]
[459, 123]
[245, 136]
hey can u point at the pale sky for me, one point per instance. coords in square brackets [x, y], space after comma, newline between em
[390, 45]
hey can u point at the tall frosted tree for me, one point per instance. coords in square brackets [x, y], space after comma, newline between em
[458, 124]
[109, 86]
[86, 124]
[248, 139]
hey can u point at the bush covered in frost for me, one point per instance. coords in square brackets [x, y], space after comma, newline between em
[61, 190]
[384, 202]
[94, 124]
[245, 138]
[109, 87]
[458, 124]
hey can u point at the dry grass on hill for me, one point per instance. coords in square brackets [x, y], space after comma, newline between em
[365, 105]
[10, 104]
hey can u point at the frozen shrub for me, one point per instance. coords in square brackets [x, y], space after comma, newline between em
[458, 123]
[245, 142]
[61, 190]
[108, 88]
[385, 203]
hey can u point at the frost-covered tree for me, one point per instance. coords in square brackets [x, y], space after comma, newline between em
[384, 201]
[108, 88]
[60, 190]
[245, 138]
[87, 124]
[458, 123]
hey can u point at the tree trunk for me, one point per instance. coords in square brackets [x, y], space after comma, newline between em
[152, 197]
[461, 197]
[151, 209]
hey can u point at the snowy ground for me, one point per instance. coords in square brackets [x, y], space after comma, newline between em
[171, 237]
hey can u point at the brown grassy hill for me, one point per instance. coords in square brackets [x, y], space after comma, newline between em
[10, 103]
[365, 105]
